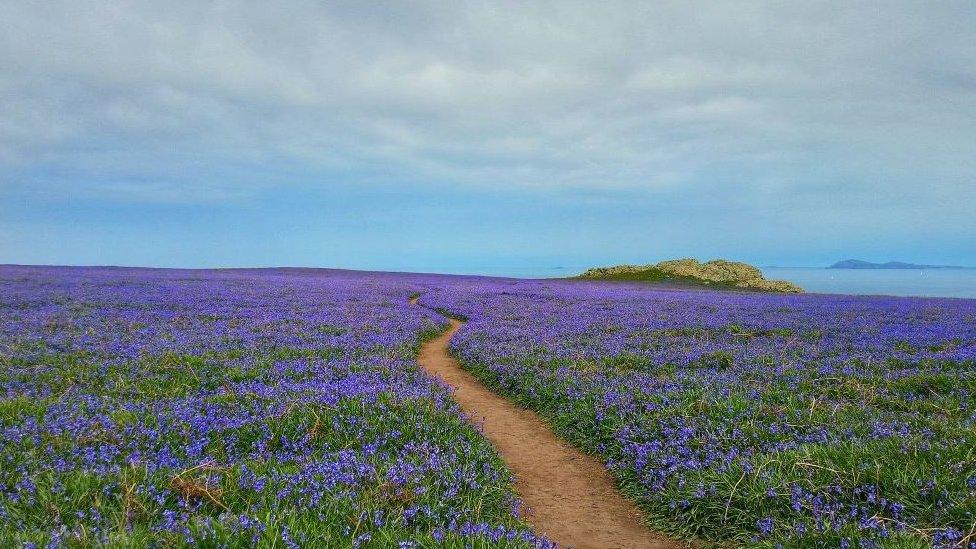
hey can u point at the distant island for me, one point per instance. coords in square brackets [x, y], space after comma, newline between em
[718, 272]
[858, 264]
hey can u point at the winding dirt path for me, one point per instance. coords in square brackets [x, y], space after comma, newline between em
[570, 497]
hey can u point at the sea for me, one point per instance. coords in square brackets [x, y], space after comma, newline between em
[899, 282]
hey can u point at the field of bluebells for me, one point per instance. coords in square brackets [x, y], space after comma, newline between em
[767, 420]
[284, 408]
[233, 409]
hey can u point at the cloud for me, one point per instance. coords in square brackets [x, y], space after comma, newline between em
[142, 97]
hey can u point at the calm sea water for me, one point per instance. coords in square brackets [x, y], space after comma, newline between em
[921, 282]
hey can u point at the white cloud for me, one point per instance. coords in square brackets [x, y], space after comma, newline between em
[557, 94]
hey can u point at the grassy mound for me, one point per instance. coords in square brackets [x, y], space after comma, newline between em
[718, 272]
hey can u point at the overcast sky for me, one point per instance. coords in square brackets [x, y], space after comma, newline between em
[486, 137]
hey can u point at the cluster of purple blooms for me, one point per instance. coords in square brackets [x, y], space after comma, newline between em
[774, 420]
[233, 408]
[286, 408]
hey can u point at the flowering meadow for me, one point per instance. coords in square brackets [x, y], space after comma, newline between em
[285, 408]
[767, 420]
[232, 409]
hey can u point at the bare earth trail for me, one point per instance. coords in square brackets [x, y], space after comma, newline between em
[570, 496]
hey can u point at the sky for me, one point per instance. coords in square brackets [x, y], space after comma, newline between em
[486, 137]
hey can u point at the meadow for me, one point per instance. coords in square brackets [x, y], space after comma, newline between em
[233, 409]
[767, 420]
[286, 408]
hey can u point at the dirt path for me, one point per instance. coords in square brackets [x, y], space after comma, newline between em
[570, 496]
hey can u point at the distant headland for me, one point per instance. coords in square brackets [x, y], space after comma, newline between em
[718, 272]
[858, 264]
